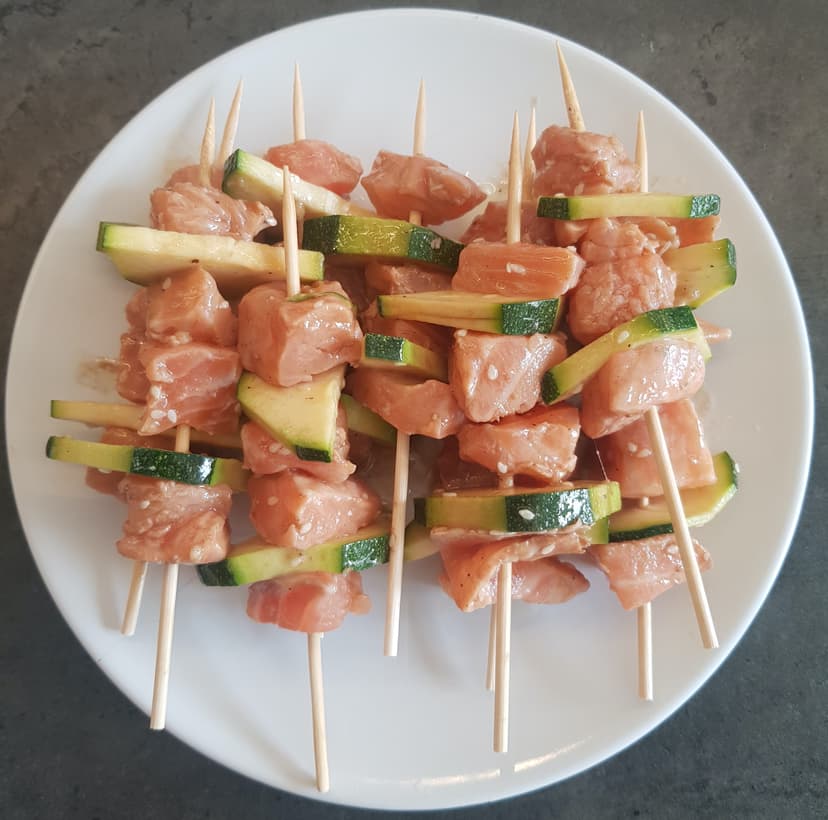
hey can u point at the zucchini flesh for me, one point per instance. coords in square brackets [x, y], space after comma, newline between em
[702, 271]
[701, 504]
[367, 422]
[364, 238]
[302, 417]
[146, 255]
[594, 206]
[395, 353]
[187, 468]
[513, 316]
[247, 176]
[569, 376]
[256, 560]
[520, 509]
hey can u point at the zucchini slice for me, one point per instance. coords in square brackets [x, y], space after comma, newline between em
[593, 206]
[367, 422]
[395, 353]
[567, 378]
[513, 316]
[247, 176]
[520, 509]
[256, 560]
[702, 271]
[146, 255]
[187, 468]
[129, 416]
[701, 504]
[368, 238]
[302, 417]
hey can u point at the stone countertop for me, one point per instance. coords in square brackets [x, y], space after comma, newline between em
[754, 76]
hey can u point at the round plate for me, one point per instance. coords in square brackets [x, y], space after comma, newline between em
[415, 731]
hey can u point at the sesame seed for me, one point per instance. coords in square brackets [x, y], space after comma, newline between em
[644, 501]
[492, 372]
[501, 467]
[196, 553]
[155, 392]
[550, 548]
[272, 501]
[157, 414]
[172, 416]
[622, 336]
[294, 562]
[632, 447]
[462, 332]
[305, 528]
[166, 283]
[273, 448]
[526, 515]
[645, 453]
[513, 267]
[436, 243]
[143, 505]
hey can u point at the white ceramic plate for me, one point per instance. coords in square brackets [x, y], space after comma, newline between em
[414, 732]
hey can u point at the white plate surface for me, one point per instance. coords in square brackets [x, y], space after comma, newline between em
[414, 732]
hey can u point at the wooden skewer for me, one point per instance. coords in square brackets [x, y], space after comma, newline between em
[231, 126]
[298, 105]
[667, 476]
[208, 146]
[139, 568]
[166, 620]
[503, 603]
[644, 613]
[320, 741]
[528, 177]
[401, 458]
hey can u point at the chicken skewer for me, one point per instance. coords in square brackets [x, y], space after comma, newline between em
[689, 561]
[290, 228]
[526, 185]
[320, 742]
[401, 459]
[206, 164]
[644, 613]
[503, 602]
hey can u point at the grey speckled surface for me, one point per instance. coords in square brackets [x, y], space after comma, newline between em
[754, 76]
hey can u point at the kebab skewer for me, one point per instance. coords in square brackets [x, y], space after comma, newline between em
[665, 467]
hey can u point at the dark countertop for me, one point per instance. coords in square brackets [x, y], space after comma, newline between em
[754, 76]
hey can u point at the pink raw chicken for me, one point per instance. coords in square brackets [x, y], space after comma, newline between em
[631, 382]
[318, 162]
[286, 341]
[190, 208]
[453, 473]
[693, 231]
[628, 457]
[639, 571]
[493, 376]
[191, 384]
[404, 279]
[173, 523]
[470, 571]
[540, 443]
[184, 307]
[521, 269]
[307, 601]
[108, 481]
[611, 293]
[433, 337]
[400, 184]
[608, 240]
[132, 383]
[352, 281]
[572, 162]
[266, 456]
[293, 509]
[490, 226]
[416, 407]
